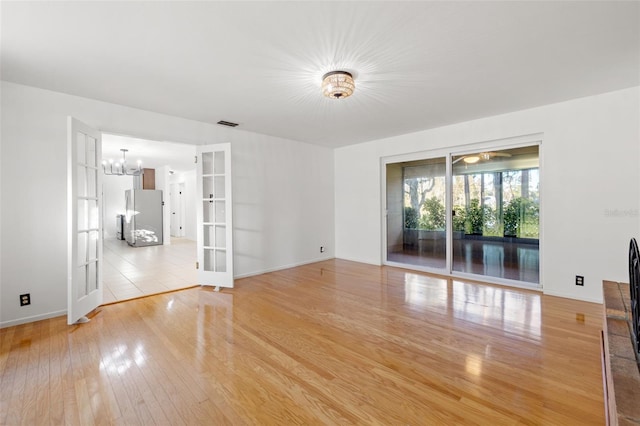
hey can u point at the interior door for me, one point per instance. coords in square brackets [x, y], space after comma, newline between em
[214, 227]
[176, 210]
[84, 220]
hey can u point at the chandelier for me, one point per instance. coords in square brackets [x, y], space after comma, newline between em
[338, 84]
[120, 168]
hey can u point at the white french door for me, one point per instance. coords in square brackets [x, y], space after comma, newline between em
[84, 221]
[214, 218]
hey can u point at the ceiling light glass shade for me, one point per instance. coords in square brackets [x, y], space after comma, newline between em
[471, 159]
[338, 84]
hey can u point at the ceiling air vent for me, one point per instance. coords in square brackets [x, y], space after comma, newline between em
[227, 123]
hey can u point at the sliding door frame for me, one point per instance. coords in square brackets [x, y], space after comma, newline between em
[449, 153]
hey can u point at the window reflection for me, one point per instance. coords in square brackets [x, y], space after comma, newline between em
[121, 359]
[498, 307]
[426, 291]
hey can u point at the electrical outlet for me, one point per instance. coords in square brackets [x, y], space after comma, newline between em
[25, 299]
[579, 280]
[321, 249]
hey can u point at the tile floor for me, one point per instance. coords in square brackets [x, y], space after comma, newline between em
[131, 272]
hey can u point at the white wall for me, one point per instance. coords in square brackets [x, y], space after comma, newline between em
[283, 193]
[113, 202]
[291, 185]
[590, 186]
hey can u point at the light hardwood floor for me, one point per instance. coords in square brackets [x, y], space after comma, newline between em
[131, 272]
[334, 342]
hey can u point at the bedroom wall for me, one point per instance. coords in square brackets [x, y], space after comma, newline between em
[283, 193]
[590, 186]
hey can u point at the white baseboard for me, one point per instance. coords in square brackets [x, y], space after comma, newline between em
[572, 296]
[32, 319]
[280, 268]
[359, 261]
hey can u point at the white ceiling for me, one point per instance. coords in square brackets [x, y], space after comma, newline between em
[417, 65]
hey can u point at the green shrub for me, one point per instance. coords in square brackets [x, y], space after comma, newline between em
[410, 218]
[434, 217]
[521, 218]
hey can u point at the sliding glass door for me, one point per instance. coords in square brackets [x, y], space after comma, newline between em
[416, 214]
[482, 220]
[495, 214]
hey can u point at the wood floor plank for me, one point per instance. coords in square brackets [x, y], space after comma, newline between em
[334, 342]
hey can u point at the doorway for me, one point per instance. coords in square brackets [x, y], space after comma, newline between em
[131, 272]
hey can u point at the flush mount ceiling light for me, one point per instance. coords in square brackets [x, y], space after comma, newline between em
[471, 159]
[338, 84]
[120, 168]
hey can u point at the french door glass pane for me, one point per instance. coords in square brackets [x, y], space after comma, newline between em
[209, 259]
[208, 236]
[81, 289]
[219, 162]
[219, 187]
[221, 236]
[81, 155]
[495, 213]
[221, 261]
[82, 181]
[416, 213]
[207, 211]
[83, 215]
[92, 180]
[207, 163]
[92, 210]
[91, 151]
[82, 248]
[207, 187]
[215, 260]
[92, 276]
[92, 253]
[220, 211]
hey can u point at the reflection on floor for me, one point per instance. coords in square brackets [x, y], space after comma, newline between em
[327, 343]
[131, 272]
[512, 261]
